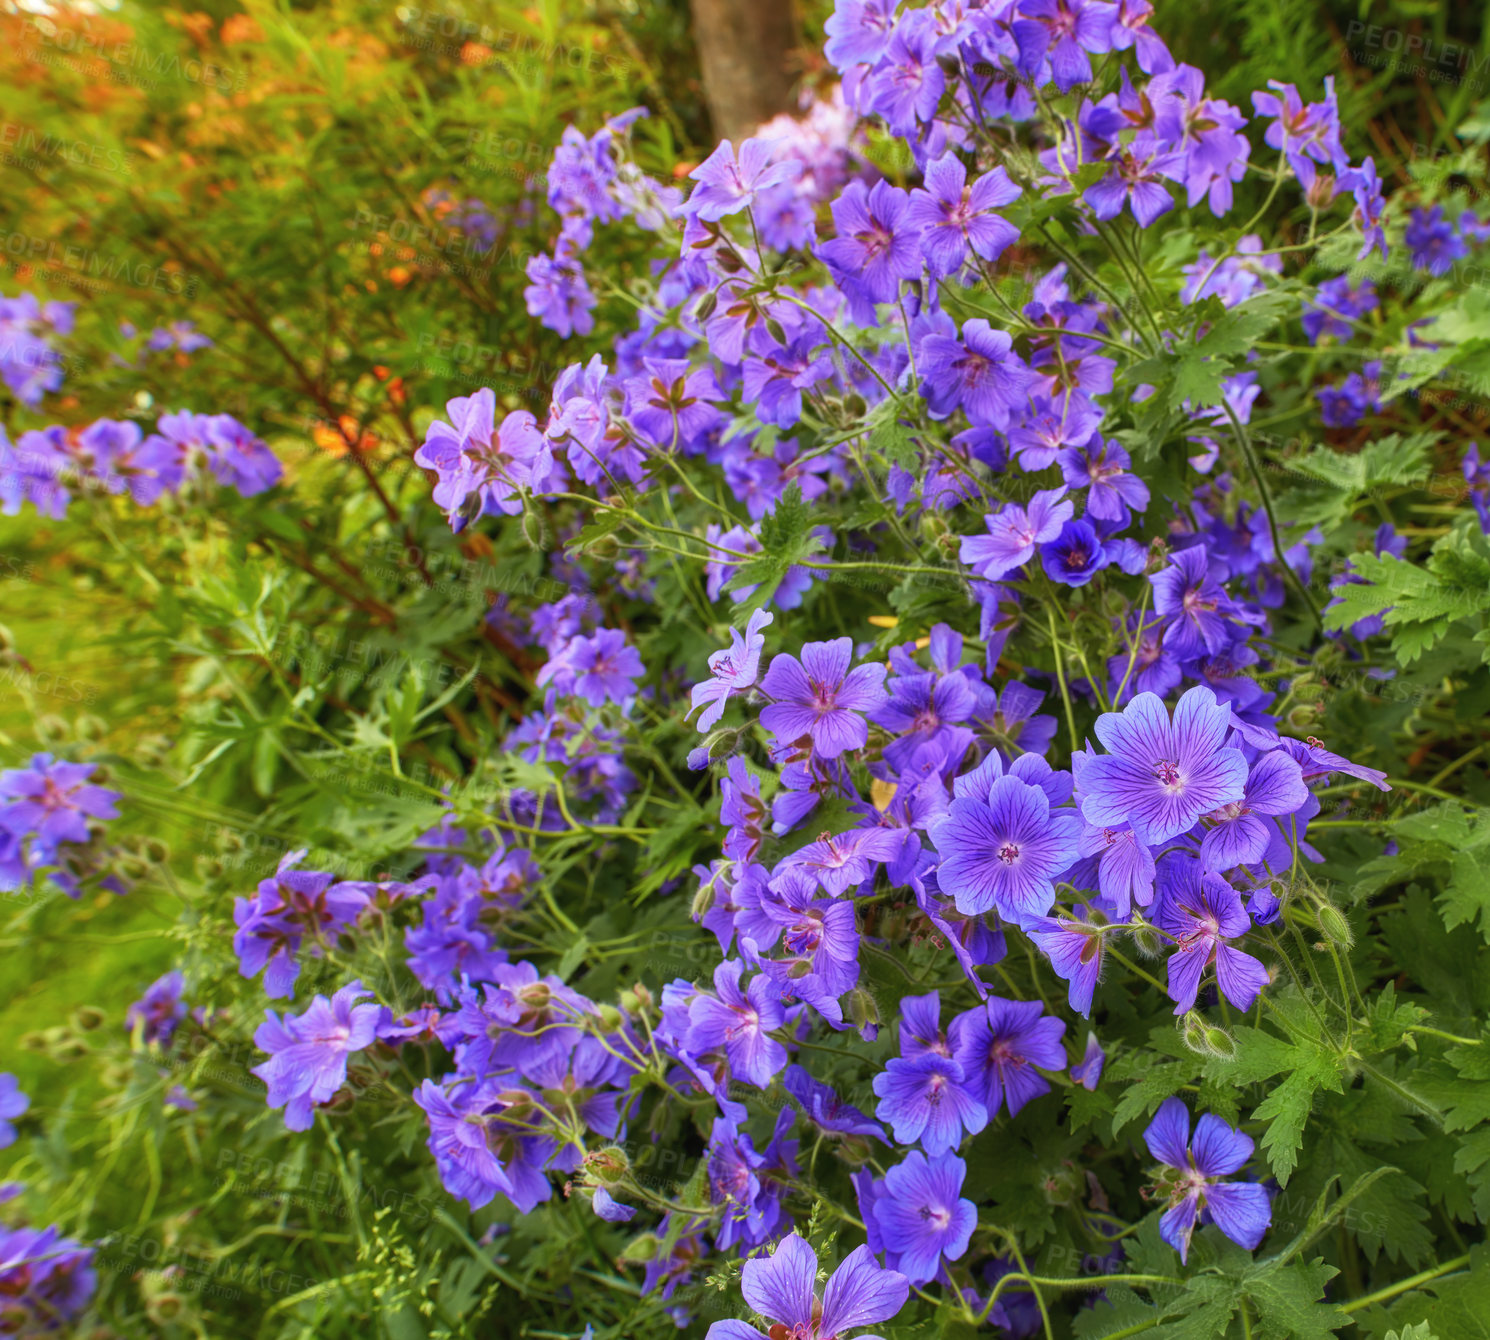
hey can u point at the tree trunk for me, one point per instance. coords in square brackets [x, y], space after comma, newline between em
[745, 47]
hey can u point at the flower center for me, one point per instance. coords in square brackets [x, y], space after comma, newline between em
[1009, 853]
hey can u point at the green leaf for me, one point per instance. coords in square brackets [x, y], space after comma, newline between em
[1286, 1109]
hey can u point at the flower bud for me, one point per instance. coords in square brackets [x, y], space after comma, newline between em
[706, 305]
[640, 1249]
[609, 1165]
[853, 403]
[1146, 940]
[87, 1018]
[1192, 1033]
[533, 529]
[1334, 925]
[1220, 1043]
[864, 1010]
[610, 1018]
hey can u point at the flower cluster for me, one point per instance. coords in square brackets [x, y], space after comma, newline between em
[30, 364]
[51, 820]
[45, 465]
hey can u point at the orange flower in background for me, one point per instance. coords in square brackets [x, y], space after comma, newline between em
[334, 439]
[238, 28]
[475, 53]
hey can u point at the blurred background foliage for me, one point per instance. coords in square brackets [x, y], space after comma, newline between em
[342, 197]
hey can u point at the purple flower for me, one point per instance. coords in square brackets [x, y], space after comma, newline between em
[558, 293]
[1075, 556]
[726, 185]
[842, 862]
[672, 401]
[822, 1106]
[999, 1044]
[922, 1212]
[877, 245]
[1125, 866]
[1103, 468]
[979, 373]
[738, 1023]
[308, 1053]
[1434, 244]
[52, 801]
[858, 32]
[820, 698]
[1336, 304]
[1241, 1210]
[13, 1103]
[46, 1280]
[1088, 1071]
[958, 218]
[598, 669]
[609, 1208]
[1365, 185]
[1189, 595]
[732, 670]
[1200, 913]
[1004, 850]
[1135, 179]
[782, 1287]
[923, 1098]
[1235, 834]
[1074, 949]
[1062, 31]
[458, 1140]
[1015, 531]
[907, 84]
[157, 1013]
[1161, 774]
[482, 468]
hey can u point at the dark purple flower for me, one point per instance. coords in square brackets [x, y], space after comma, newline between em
[1075, 556]
[1200, 913]
[999, 1044]
[877, 245]
[158, 1012]
[1434, 244]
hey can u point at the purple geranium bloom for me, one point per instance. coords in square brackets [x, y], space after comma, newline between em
[1161, 774]
[822, 1106]
[1200, 912]
[13, 1103]
[858, 32]
[1131, 29]
[924, 1098]
[921, 1211]
[1088, 1071]
[877, 245]
[739, 1024]
[1434, 244]
[999, 1044]
[1103, 468]
[819, 954]
[1074, 949]
[1062, 31]
[598, 669]
[1125, 866]
[842, 862]
[1135, 179]
[782, 1287]
[1075, 556]
[458, 1139]
[821, 698]
[1235, 834]
[958, 218]
[1241, 1210]
[727, 185]
[732, 670]
[670, 401]
[308, 1053]
[607, 1207]
[53, 801]
[1014, 533]
[1188, 594]
[158, 1012]
[1365, 185]
[979, 373]
[1005, 852]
